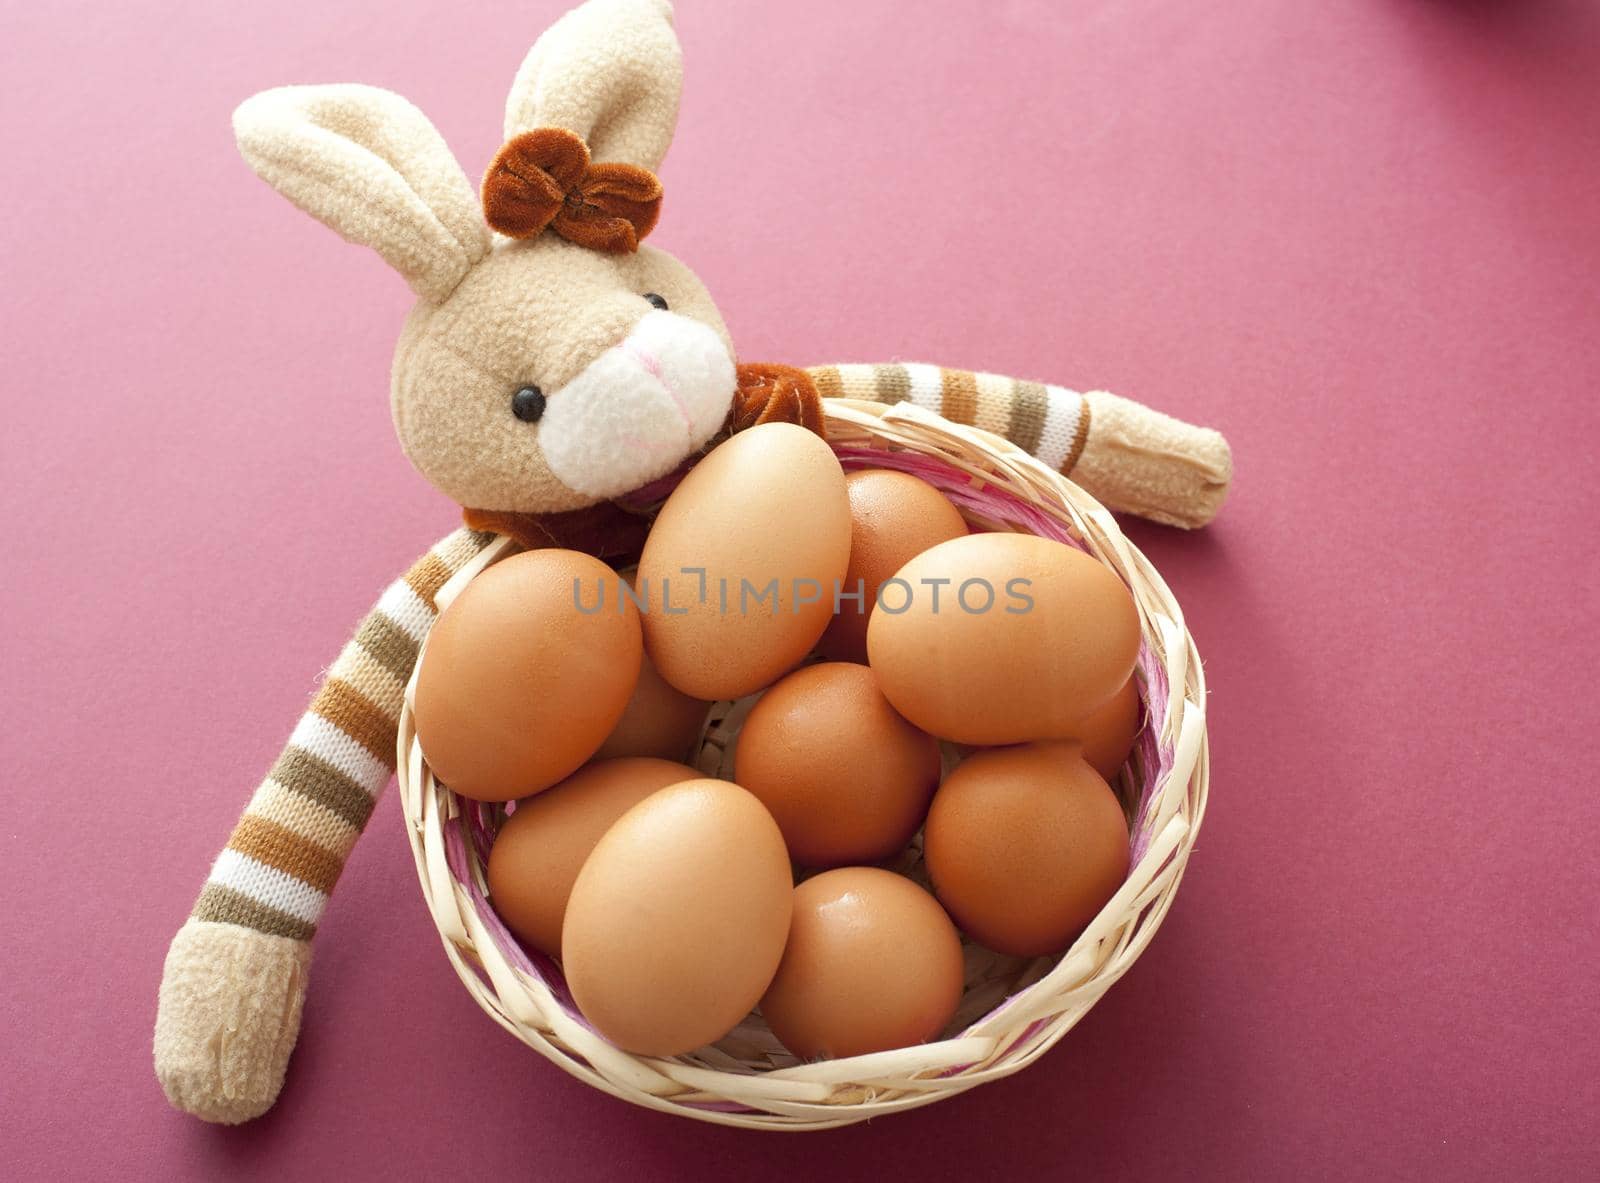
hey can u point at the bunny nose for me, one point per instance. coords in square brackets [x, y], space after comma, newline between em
[639, 408]
[651, 364]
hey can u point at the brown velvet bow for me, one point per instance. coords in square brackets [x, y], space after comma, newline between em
[545, 178]
[770, 393]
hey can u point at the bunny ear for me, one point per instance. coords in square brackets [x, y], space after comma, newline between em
[367, 163]
[610, 71]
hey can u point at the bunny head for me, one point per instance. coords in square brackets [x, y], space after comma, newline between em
[551, 361]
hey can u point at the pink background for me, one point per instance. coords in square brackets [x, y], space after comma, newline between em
[1360, 238]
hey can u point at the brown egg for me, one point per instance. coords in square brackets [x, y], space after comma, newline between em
[678, 918]
[1002, 638]
[1108, 733]
[741, 565]
[846, 777]
[894, 517]
[536, 856]
[658, 721]
[872, 963]
[518, 686]
[1024, 845]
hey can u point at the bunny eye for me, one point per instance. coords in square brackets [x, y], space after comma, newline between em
[528, 404]
[659, 301]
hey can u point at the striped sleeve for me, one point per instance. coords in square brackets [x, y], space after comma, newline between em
[285, 855]
[1051, 422]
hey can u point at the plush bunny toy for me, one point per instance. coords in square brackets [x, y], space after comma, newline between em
[553, 377]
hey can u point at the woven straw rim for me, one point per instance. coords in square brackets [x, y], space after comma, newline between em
[1013, 1011]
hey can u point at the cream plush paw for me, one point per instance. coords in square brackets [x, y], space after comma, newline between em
[1141, 461]
[228, 1017]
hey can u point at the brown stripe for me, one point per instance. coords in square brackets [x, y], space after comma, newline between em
[427, 575]
[224, 905]
[993, 411]
[827, 380]
[1079, 437]
[456, 550]
[317, 823]
[388, 644]
[1028, 404]
[299, 770]
[958, 400]
[280, 847]
[890, 384]
[370, 679]
[358, 717]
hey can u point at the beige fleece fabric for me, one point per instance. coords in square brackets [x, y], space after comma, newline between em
[228, 1016]
[1143, 462]
[495, 315]
[535, 312]
[368, 164]
[610, 71]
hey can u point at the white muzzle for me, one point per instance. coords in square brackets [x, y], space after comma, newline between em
[640, 408]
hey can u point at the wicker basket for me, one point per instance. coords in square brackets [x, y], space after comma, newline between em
[1013, 1010]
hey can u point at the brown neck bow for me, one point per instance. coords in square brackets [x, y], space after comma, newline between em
[545, 178]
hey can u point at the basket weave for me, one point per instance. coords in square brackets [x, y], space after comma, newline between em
[1013, 1010]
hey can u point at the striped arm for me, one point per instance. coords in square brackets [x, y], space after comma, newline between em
[1051, 422]
[288, 849]
[235, 976]
[1130, 457]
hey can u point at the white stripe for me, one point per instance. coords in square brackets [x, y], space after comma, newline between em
[927, 386]
[325, 741]
[268, 885]
[1062, 410]
[855, 380]
[403, 606]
